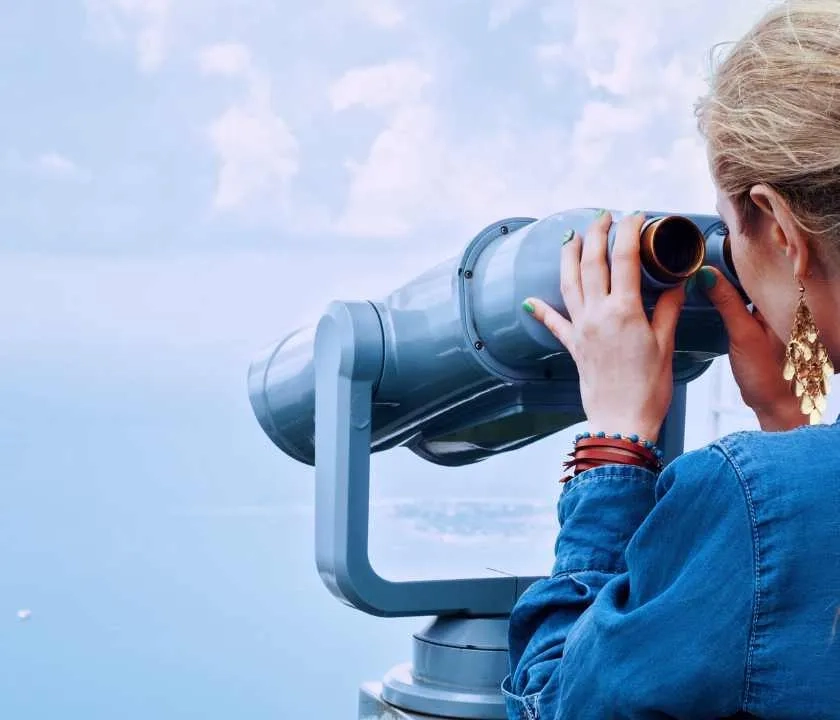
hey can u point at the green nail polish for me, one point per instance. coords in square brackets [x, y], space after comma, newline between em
[600, 214]
[690, 284]
[706, 278]
[568, 236]
[528, 307]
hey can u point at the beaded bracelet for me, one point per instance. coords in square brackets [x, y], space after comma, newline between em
[633, 439]
[593, 450]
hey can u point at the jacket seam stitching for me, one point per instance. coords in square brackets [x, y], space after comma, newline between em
[616, 476]
[605, 571]
[756, 573]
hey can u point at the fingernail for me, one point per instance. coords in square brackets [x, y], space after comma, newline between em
[600, 214]
[690, 284]
[706, 278]
[638, 212]
[528, 307]
[568, 236]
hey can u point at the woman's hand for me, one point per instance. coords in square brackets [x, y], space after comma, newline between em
[624, 361]
[756, 355]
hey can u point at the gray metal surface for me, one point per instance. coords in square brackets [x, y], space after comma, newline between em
[457, 670]
[464, 373]
[411, 371]
[348, 356]
[458, 664]
[373, 707]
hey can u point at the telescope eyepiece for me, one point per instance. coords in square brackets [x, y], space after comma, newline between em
[672, 248]
[727, 255]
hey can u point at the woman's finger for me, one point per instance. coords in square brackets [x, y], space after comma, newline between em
[594, 272]
[557, 325]
[626, 271]
[570, 272]
[762, 322]
[729, 303]
[666, 314]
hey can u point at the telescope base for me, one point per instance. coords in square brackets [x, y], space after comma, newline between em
[373, 707]
[457, 672]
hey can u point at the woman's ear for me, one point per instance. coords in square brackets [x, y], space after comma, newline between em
[776, 222]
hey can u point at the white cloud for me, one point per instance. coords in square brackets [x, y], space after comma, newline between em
[400, 176]
[551, 58]
[635, 139]
[56, 165]
[626, 49]
[48, 164]
[143, 23]
[257, 152]
[633, 71]
[379, 86]
[225, 59]
[416, 172]
[630, 143]
[551, 52]
[383, 13]
[406, 162]
[502, 11]
[598, 128]
[684, 171]
[258, 155]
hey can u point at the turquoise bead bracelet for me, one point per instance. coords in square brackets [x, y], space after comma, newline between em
[635, 439]
[592, 450]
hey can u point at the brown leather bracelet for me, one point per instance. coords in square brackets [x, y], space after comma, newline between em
[610, 456]
[625, 445]
[595, 451]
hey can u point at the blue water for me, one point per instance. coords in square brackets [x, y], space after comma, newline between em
[166, 560]
[165, 548]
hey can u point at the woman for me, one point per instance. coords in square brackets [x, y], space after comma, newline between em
[709, 588]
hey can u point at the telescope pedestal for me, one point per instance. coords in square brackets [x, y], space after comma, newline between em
[461, 659]
[373, 707]
[459, 663]
[457, 669]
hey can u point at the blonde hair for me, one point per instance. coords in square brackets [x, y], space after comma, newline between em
[772, 115]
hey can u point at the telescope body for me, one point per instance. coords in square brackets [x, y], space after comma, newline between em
[452, 367]
[465, 372]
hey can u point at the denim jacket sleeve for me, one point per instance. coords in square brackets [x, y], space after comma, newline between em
[648, 610]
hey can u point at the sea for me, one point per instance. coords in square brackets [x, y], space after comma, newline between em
[157, 551]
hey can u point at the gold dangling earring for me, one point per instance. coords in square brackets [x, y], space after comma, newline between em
[807, 365]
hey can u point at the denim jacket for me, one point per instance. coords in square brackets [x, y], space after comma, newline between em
[709, 591]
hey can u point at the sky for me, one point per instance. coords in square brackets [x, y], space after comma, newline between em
[183, 182]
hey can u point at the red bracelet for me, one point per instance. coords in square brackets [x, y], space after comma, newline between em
[592, 451]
